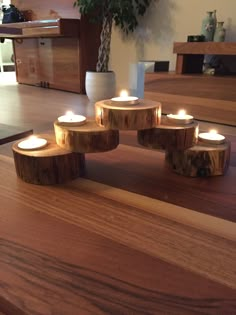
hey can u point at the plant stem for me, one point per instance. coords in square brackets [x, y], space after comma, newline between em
[105, 46]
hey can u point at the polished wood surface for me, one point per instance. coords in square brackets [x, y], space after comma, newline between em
[209, 98]
[10, 133]
[131, 237]
[49, 63]
[56, 39]
[190, 55]
[42, 28]
[105, 250]
[204, 48]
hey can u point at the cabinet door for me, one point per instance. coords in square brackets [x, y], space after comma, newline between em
[48, 62]
[59, 63]
[27, 61]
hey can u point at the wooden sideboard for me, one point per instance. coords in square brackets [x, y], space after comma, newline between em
[55, 47]
[190, 55]
[207, 98]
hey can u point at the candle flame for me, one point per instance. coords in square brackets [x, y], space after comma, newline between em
[32, 138]
[213, 131]
[182, 113]
[69, 113]
[123, 93]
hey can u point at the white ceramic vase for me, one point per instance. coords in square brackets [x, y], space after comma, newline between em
[100, 85]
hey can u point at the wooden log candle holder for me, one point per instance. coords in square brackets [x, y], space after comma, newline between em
[144, 115]
[48, 165]
[169, 137]
[201, 160]
[87, 138]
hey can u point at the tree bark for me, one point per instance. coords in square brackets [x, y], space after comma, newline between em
[105, 46]
[200, 160]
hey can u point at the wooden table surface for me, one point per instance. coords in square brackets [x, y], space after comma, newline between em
[10, 133]
[130, 238]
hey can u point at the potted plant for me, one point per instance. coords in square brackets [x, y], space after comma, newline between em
[124, 14]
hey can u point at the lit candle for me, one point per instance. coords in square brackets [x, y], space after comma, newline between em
[211, 137]
[32, 143]
[181, 118]
[125, 99]
[71, 119]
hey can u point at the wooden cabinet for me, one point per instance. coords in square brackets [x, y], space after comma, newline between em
[48, 62]
[54, 53]
[190, 55]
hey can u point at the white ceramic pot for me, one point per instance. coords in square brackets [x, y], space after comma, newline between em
[100, 85]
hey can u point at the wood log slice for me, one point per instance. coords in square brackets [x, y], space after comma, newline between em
[144, 115]
[87, 138]
[169, 137]
[49, 165]
[200, 160]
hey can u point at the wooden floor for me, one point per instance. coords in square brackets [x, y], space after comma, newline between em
[130, 237]
[208, 98]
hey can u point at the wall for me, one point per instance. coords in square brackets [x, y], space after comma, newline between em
[166, 21]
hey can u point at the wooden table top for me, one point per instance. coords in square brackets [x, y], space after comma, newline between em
[130, 238]
[10, 133]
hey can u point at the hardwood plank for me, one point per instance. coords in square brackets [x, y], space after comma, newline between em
[111, 247]
[41, 28]
[200, 86]
[133, 225]
[43, 257]
[145, 172]
[223, 48]
[205, 97]
[82, 271]
[41, 31]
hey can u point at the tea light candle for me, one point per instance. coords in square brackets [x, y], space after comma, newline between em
[32, 143]
[70, 119]
[211, 137]
[125, 99]
[181, 118]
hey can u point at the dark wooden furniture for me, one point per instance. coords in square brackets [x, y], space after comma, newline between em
[208, 98]
[55, 48]
[190, 55]
[11, 133]
[130, 238]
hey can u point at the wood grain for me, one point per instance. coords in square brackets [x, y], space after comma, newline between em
[146, 114]
[200, 160]
[169, 137]
[49, 165]
[131, 238]
[205, 97]
[87, 138]
[96, 270]
[64, 48]
[204, 48]
[190, 253]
